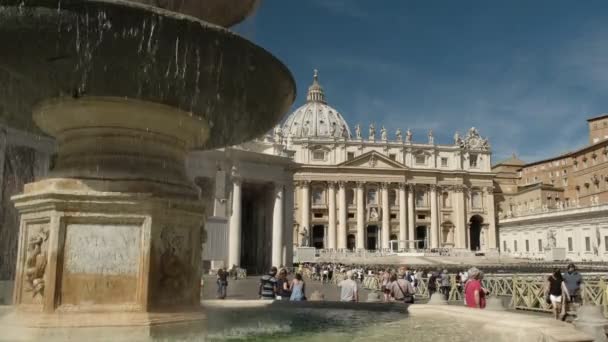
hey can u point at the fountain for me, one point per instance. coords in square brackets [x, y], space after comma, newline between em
[110, 241]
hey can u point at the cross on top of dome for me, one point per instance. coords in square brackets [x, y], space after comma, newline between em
[315, 91]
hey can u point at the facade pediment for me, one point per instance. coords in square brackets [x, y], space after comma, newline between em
[373, 159]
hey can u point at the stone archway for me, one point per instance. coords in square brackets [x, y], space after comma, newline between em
[351, 242]
[475, 226]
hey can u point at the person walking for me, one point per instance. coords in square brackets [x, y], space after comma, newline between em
[298, 288]
[445, 284]
[348, 288]
[401, 290]
[558, 294]
[268, 285]
[222, 283]
[573, 281]
[474, 293]
[432, 285]
[386, 280]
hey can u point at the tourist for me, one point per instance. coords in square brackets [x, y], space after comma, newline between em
[386, 280]
[298, 288]
[432, 285]
[401, 290]
[474, 293]
[268, 285]
[348, 288]
[445, 284]
[558, 294]
[283, 289]
[222, 283]
[573, 281]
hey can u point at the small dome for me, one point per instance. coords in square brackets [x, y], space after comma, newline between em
[316, 118]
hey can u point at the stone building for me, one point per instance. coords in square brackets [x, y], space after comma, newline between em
[558, 199]
[380, 191]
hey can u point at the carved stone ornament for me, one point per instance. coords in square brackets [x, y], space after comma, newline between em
[174, 273]
[474, 141]
[35, 262]
[372, 161]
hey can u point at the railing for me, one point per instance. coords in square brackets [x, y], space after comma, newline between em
[525, 290]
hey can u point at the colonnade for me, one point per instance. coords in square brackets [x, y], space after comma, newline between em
[337, 220]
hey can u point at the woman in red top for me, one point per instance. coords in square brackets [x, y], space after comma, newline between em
[474, 293]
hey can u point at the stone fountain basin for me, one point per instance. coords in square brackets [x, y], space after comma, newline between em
[220, 12]
[115, 48]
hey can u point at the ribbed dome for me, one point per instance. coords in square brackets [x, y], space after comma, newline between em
[316, 118]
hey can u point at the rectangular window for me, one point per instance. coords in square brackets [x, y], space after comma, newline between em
[420, 159]
[444, 162]
[393, 216]
[504, 246]
[540, 245]
[351, 215]
[515, 246]
[570, 244]
[473, 160]
[421, 217]
[587, 244]
[527, 245]
[350, 155]
[318, 155]
[606, 243]
[392, 156]
[318, 215]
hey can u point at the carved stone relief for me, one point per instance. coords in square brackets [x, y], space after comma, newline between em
[36, 260]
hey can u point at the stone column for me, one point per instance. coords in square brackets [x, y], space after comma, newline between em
[360, 216]
[306, 209]
[342, 216]
[331, 236]
[434, 217]
[492, 243]
[460, 224]
[234, 233]
[411, 214]
[277, 226]
[402, 215]
[386, 217]
[288, 206]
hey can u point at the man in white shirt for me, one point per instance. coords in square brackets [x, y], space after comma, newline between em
[349, 291]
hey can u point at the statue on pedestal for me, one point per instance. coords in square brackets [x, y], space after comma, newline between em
[383, 133]
[358, 131]
[372, 132]
[551, 240]
[431, 137]
[399, 135]
[408, 136]
[305, 237]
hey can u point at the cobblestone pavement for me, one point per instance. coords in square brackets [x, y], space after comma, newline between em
[248, 289]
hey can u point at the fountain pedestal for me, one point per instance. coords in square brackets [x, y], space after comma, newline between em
[115, 233]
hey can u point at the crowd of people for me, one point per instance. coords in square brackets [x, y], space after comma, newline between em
[401, 284]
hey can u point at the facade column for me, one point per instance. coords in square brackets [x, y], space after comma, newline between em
[234, 230]
[492, 243]
[411, 215]
[360, 216]
[277, 226]
[402, 216]
[288, 241]
[342, 217]
[306, 210]
[386, 217]
[460, 224]
[331, 191]
[434, 217]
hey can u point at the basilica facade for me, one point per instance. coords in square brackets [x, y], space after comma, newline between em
[368, 188]
[316, 181]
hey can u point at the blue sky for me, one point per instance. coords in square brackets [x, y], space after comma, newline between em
[526, 73]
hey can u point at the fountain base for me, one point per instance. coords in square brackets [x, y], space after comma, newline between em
[103, 326]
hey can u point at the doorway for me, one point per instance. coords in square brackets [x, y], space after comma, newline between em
[318, 236]
[256, 229]
[475, 232]
[421, 237]
[351, 242]
[372, 238]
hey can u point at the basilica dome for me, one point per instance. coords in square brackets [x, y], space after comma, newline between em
[316, 118]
